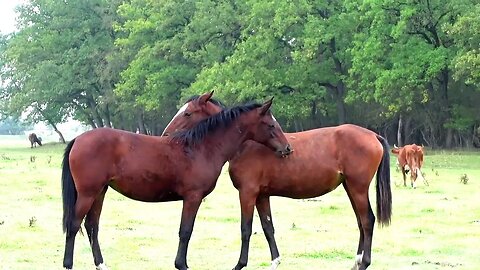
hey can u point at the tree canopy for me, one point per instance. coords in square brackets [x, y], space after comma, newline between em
[408, 70]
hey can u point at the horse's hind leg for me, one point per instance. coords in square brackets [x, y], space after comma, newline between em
[91, 226]
[366, 219]
[265, 214]
[358, 259]
[82, 206]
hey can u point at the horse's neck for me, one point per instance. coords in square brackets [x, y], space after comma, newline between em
[224, 143]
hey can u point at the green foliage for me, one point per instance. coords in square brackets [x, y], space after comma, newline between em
[129, 64]
[56, 63]
[467, 37]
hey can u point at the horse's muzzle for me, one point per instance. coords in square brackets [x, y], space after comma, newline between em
[285, 152]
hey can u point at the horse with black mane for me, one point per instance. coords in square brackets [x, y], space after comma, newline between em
[157, 169]
[324, 158]
[34, 140]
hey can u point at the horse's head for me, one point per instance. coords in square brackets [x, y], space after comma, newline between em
[266, 130]
[195, 110]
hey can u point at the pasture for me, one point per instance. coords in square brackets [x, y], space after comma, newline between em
[434, 227]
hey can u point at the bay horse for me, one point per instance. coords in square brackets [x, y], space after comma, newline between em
[157, 169]
[323, 159]
[34, 140]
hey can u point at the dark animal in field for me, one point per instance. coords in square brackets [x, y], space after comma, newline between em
[34, 140]
[157, 169]
[322, 160]
[410, 159]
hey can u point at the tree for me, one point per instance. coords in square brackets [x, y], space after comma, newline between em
[57, 62]
[467, 37]
[295, 51]
[401, 59]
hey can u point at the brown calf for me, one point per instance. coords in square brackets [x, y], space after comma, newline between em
[410, 158]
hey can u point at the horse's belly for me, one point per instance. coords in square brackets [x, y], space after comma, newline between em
[304, 192]
[301, 186]
[146, 192]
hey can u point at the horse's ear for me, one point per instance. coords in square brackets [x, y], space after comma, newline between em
[205, 97]
[266, 106]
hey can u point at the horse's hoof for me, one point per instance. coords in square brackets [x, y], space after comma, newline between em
[275, 263]
[101, 267]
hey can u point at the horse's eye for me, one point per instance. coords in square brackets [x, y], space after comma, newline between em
[187, 114]
[271, 126]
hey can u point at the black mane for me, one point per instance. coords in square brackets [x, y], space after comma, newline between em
[214, 101]
[222, 119]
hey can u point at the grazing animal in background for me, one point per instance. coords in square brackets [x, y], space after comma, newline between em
[157, 169]
[410, 159]
[34, 140]
[322, 160]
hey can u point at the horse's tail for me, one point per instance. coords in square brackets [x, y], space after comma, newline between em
[69, 192]
[384, 192]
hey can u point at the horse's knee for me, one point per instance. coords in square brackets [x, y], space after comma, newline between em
[246, 228]
[246, 237]
[185, 235]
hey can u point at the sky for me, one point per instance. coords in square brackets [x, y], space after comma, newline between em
[7, 15]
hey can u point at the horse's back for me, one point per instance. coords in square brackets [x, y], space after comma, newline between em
[140, 167]
[320, 155]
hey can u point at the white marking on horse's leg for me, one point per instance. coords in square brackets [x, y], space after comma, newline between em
[275, 263]
[102, 267]
[181, 110]
[358, 261]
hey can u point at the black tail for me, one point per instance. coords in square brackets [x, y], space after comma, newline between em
[384, 192]
[69, 193]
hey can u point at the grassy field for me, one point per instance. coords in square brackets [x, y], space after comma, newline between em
[434, 227]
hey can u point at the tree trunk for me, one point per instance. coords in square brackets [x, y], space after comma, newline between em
[107, 121]
[93, 108]
[60, 135]
[340, 87]
[399, 131]
[341, 111]
[141, 123]
[449, 138]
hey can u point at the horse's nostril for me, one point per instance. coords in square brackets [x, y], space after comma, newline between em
[289, 148]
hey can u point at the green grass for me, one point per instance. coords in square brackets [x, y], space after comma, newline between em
[434, 227]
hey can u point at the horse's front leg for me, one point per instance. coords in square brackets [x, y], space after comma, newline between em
[189, 212]
[247, 204]
[265, 214]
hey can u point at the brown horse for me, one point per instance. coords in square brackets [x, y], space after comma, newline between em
[323, 159]
[410, 158]
[156, 169]
[34, 140]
